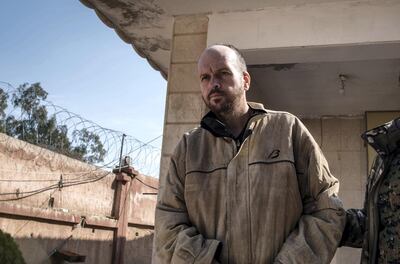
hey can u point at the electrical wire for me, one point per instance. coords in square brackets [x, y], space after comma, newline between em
[54, 186]
[145, 184]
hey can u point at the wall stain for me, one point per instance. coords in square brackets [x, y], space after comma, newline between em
[275, 67]
[152, 44]
[136, 13]
[139, 14]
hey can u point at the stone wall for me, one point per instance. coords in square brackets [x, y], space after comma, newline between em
[184, 106]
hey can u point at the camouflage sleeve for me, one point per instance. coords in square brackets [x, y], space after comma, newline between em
[356, 226]
[353, 234]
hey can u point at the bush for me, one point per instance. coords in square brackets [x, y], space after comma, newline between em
[9, 251]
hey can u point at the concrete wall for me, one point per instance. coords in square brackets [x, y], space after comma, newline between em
[308, 25]
[40, 228]
[142, 200]
[339, 139]
[30, 168]
[139, 245]
[38, 239]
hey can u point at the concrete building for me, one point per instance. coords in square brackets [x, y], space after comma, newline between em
[334, 63]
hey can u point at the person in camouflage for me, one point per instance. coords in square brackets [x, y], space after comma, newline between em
[376, 227]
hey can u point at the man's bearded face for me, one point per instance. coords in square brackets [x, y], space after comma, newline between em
[221, 80]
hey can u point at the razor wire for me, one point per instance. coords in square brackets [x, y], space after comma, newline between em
[144, 157]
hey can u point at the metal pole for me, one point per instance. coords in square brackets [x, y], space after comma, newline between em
[120, 154]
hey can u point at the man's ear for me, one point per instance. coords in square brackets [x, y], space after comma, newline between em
[246, 80]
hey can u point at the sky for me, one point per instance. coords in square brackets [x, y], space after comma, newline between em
[83, 65]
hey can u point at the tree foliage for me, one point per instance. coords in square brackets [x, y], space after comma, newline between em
[34, 125]
[9, 251]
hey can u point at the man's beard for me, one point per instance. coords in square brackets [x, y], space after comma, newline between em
[221, 108]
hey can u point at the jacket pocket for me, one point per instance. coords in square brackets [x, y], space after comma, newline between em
[205, 198]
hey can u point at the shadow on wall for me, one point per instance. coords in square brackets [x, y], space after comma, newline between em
[38, 250]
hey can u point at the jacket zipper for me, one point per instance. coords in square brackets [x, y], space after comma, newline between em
[238, 147]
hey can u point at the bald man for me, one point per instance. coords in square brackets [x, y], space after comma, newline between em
[249, 185]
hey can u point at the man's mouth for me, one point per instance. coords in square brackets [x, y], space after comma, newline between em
[214, 95]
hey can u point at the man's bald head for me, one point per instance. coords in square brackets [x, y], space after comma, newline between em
[229, 50]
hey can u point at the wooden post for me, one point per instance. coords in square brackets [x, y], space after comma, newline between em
[123, 178]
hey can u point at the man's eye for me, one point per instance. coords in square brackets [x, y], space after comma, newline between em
[204, 78]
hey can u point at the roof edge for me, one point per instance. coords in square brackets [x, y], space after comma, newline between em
[126, 39]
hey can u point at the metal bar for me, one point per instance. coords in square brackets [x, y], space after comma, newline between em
[120, 154]
[54, 216]
[38, 213]
[144, 226]
[101, 223]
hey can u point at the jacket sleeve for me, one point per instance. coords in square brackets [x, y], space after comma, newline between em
[353, 234]
[176, 240]
[319, 230]
[355, 230]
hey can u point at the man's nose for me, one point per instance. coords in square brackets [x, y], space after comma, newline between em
[215, 83]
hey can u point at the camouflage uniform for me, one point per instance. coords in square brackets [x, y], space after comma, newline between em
[376, 227]
[389, 214]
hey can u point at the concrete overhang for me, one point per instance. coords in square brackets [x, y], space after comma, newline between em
[148, 24]
[295, 49]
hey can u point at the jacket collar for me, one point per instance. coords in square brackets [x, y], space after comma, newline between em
[219, 129]
[385, 139]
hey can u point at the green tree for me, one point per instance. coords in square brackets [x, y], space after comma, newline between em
[3, 107]
[34, 125]
[90, 148]
[9, 251]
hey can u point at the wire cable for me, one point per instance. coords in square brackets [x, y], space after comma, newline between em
[145, 184]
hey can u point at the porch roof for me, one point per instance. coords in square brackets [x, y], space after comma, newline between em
[148, 24]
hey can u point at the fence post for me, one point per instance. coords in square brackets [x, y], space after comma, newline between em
[123, 179]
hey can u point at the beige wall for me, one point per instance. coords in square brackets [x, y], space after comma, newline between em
[184, 106]
[37, 240]
[41, 168]
[138, 246]
[340, 141]
[308, 25]
[27, 167]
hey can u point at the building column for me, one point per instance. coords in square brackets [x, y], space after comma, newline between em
[184, 106]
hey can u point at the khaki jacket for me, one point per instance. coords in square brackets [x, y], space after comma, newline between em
[270, 200]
